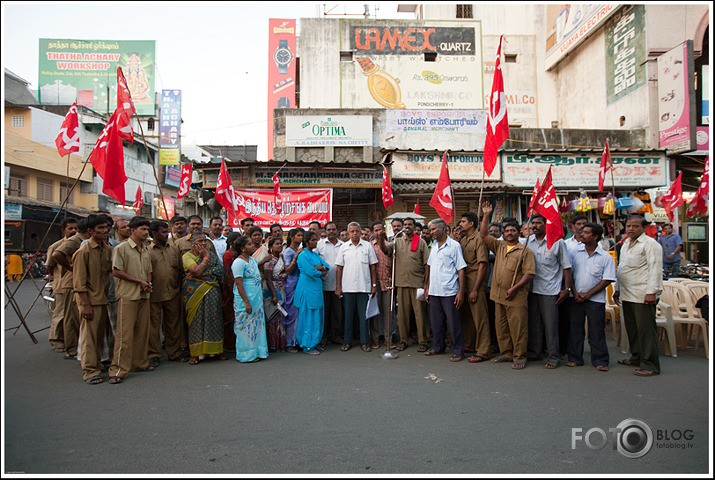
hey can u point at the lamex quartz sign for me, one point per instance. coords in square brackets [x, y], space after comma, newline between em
[338, 131]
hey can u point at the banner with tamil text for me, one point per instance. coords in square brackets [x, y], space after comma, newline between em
[300, 207]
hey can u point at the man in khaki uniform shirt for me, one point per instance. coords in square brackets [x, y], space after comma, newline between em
[56, 335]
[165, 299]
[409, 276]
[475, 312]
[196, 225]
[63, 256]
[131, 267]
[92, 265]
[510, 302]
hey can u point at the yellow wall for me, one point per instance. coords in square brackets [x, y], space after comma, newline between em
[25, 131]
[88, 201]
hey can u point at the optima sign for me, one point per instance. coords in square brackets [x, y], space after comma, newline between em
[319, 130]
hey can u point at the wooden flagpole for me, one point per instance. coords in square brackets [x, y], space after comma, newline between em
[153, 169]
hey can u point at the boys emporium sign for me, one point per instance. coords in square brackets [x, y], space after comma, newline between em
[581, 170]
[426, 166]
[299, 207]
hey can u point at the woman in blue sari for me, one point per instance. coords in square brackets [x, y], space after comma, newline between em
[290, 260]
[309, 295]
[250, 324]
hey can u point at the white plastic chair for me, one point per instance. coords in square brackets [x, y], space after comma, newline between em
[663, 319]
[677, 294]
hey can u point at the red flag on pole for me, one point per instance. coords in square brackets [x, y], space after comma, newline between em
[548, 205]
[125, 107]
[699, 203]
[606, 164]
[442, 196]
[387, 198]
[673, 197]
[68, 139]
[138, 200]
[537, 187]
[277, 193]
[107, 158]
[185, 181]
[224, 191]
[497, 120]
[417, 208]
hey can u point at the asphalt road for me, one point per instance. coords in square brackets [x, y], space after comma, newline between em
[344, 413]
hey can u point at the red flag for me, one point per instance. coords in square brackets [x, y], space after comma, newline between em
[606, 164]
[107, 158]
[497, 121]
[548, 205]
[277, 193]
[442, 196]
[417, 208]
[537, 187]
[185, 181]
[387, 198]
[224, 191]
[68, 139]
[125, 107]
[699, 203]
[673, 198]
[138, 201]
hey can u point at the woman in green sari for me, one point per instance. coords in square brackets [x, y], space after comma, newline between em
[202, 300]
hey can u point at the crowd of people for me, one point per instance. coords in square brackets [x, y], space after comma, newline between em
[481, 290]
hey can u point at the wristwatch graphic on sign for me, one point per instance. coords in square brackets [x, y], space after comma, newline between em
[283, 102]
[283, 56]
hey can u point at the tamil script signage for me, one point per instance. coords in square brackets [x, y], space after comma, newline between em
[299, 207]
[313, 177]
[324, 130]
[676, 99]
[426, 166]
[625, 52]
[581, 170]
[431, 121]
[86, 71]
[173, 176]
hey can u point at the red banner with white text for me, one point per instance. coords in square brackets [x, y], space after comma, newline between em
[299, 207]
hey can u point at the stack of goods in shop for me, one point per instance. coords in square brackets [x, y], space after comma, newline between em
[584, 202]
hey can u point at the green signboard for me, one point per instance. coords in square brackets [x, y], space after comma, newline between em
[625, 52]
[86, 71]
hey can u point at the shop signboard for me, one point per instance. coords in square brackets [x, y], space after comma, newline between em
[417, 64]
[328, 130]
[433, 121]
[281, 69]
[581, 170]
[299, 207]
[426, 166]
[86, 71]
[13, 212]
[169, 156]
[572, 24]
[676, 99]
[159, 211]
[625, 52]
[170, 119]
[173, 176]
[316, 177]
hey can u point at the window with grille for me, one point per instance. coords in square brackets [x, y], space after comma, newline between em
[18, 121]
[464, 11]
[18, 185]
[64, 189]
[44, 189]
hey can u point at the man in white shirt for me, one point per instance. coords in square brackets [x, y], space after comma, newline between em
[355, 278]
[553, 269]
[328, 250]
[638, 284]
[593, 269]
[444, 290]
[216, 236]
